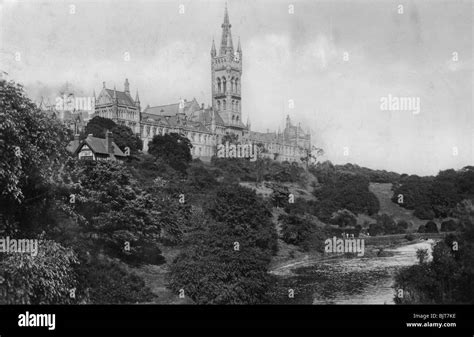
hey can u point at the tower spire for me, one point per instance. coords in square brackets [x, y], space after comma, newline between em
[226, 40]
[213, 48]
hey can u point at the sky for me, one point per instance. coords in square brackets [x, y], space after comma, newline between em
[336, 61]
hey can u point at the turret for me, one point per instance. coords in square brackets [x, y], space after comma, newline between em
[213, 49]
[127, 86]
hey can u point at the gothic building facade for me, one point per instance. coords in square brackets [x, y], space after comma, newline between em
[205, 126]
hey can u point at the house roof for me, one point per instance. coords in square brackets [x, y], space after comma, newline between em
[205, 116]
[172, 109]
[97, 145]
[122, 97]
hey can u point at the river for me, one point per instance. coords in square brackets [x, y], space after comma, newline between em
[357, 280]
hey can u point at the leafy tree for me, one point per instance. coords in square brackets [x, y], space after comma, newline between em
[31, 144]
[449, 226]
[424, 212]
[98, 126]
[225, 259]
[122, 217]
[231, 138]
[311, 155]
[302, 231]
[344, 218]
[106, 282]
[174, 149]
[124, 137]
[429, 227]
[46, 278]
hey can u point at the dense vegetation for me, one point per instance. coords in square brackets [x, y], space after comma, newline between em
[225, 260]
[435, 197]
[449, 277]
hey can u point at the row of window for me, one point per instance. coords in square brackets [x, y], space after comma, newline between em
[122, 114]
[222, 85]
[222, 103]
[151, 131]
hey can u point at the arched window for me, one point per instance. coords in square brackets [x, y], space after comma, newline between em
[232, 84]
[237, 119]
[218, 105]
[224, 103]
[237, 85]
[219, 85]
[224, 86]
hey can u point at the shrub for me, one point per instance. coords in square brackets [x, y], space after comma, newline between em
[410, 237]
[106, 282]
[344, 218]
[449, 226]
[424, 212]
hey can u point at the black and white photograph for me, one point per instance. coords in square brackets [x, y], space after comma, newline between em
[281, 153]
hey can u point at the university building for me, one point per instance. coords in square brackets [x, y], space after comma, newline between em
[204, 126]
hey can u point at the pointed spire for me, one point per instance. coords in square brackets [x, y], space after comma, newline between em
[226, 41]
[93, 93]
[103, 85]
[137, 99]
[115, 93]
[239, 49]
[127, 86]
[213, 49]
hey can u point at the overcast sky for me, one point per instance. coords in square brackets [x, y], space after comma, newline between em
[423, 50]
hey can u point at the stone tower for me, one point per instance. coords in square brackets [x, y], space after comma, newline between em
[226, 70]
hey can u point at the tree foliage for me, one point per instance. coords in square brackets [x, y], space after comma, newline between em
[174, 149]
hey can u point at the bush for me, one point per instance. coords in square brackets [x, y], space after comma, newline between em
[106, 282]
[449, 226]
[424, 212]
[410, 237]
[429, 227]
[375, 229]
[344, 218]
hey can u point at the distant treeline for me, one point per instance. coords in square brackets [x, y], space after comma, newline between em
[435, 197]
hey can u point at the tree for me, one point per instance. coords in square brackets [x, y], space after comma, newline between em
[311, 155]
[231, 138]
[124, 137]
[344, 218]
[32, 145]
[46, 278]
[173, 149]
[98, 126]
[225, 259]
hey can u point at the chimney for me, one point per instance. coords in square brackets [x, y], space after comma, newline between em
[109, 138]
[76, 142]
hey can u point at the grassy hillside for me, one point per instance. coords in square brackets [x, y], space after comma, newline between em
[384, 193]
